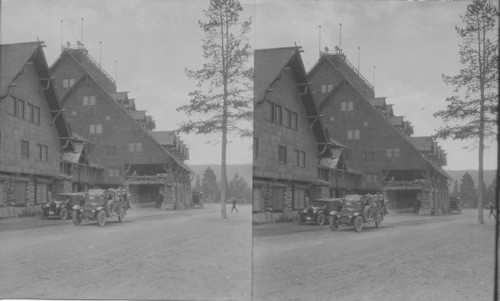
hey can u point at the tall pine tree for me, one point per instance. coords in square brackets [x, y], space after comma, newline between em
[222, 98]
[472, 112]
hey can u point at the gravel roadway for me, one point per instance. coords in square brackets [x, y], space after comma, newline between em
[182, 255]
[439, 258]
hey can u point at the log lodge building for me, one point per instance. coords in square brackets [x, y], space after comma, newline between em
[367, 149]
[66, 128]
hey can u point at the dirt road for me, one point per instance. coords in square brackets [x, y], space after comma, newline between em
[447, 258]
[186, 255]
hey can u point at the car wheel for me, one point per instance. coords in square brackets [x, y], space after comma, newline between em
[378, 222]
[101, 218]
[358, 223]
[333, 223]
[321, 219]
[77, 218]
[63, 214]
[302, 219]
[121, 216]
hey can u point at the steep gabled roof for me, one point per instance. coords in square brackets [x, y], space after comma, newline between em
[174, 158]
[377, 101]
[13, 58]
[269, 64]
[81, 56]
[348, 71]
[361, 85]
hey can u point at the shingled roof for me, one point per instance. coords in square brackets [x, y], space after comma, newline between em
[269, 64]
[13, 58]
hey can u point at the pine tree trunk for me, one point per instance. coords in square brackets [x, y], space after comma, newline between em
[481, 42]
[223, 180]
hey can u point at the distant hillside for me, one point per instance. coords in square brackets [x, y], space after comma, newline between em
[489, 176]
[244, 170]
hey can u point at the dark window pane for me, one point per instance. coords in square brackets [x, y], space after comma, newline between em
[281, 154]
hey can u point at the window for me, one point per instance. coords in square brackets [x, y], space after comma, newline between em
[396, 153]
[281, 154]
[393, 152]
[323, 89]
[91, 100]
[297, 157]
[73, 113]
[131, 147]
[287, 117]
[371, 178]
[98, 128]
[45, 153]
[25, 149]
[329, 88]
[278, 194]
[299, 197]
[278, 114]
[350, 106]
[29, 112]
[39, 146]
[356, 134]
[343, 106]
[293, 122]
[326, 88]
[302, 159]
[65, 83]
[270, 117]
[20, 109]
[85, 100]
[347, 106]
[36, 115]
[365, 123]
[13, 106]
[350, 134]
[353, 134]
[72, 82]
[255, 147]
[108, 118]
[92, 128]
[113, 172]
[20, 192]
[41, 193]
[138, 147]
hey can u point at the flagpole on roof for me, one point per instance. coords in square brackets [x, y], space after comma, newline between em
[82, 32]
[61, 35]
[319, 41]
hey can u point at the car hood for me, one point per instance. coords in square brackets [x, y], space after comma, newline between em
[347, 211]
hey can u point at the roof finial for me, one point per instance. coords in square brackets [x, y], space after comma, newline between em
[340, 37]
[82, 32]
[319, 48]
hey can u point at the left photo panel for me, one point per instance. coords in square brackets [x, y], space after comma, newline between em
[126, 149]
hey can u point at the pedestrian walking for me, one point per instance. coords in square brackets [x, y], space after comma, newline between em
[234, 205]
[492, 211]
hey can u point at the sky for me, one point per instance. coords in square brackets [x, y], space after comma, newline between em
[153, 42]
[410, 44]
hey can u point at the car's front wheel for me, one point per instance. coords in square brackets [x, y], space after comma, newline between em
[63, 214]
[77, 218]
[333, 223]
[321, 219]
[378, 222]
[358, 223]
[101, 218]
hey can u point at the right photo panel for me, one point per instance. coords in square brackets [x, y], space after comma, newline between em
[375, 150]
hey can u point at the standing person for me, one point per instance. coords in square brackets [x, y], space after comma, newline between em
[234, 205]
[492, 211]
[160, 200]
